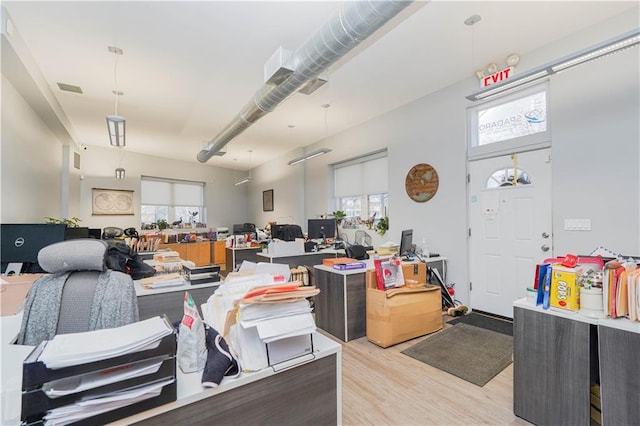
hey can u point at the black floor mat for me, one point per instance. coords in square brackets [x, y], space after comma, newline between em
[485, 321]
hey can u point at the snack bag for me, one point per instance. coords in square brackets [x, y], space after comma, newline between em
[192, 350]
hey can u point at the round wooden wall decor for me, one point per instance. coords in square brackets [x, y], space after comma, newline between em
[421, 183]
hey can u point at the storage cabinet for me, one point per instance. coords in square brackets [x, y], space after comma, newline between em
[199, 253]
[218, 254]
[559, 355]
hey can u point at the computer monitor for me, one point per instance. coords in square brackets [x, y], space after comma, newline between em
[321, 229]
[20, 243]
[406, 243]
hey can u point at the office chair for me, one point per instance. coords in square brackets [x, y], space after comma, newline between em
[112, 232]
[356, 251]
[80, 293]
[363, 239]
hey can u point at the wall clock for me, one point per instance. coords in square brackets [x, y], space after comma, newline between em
[421, 183]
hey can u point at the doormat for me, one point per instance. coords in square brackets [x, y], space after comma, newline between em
[485, 321]
[472, 353]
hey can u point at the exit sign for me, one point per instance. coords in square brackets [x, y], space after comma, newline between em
[497, 77]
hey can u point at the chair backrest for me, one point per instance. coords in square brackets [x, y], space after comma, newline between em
[80, 293]
[357, 252]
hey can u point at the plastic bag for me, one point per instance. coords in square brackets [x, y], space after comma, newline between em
[192, 349]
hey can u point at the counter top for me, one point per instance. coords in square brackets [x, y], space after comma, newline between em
[311, 253]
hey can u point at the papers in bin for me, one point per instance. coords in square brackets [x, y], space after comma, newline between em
[101, 404]
[81, 348]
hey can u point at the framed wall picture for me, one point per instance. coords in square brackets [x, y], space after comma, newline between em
[267, 200]
[112, 201]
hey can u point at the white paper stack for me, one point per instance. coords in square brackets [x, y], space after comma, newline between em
[80, 348]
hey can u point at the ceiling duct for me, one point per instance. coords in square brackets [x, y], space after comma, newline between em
[354, 22]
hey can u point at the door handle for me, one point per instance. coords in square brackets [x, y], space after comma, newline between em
[545, 235]
[544, 247]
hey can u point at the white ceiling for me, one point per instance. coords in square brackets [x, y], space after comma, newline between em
[189, 67]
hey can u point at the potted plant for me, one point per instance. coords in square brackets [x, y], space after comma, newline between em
[339, 215]
[383, 225]
[162, 224]
[71, 223]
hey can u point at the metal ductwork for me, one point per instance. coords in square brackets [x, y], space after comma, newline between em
[355, 21]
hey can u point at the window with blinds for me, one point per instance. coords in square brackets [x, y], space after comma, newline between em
[361, 186]
[175, 201]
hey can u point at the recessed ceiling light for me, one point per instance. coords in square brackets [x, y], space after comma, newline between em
[69, 88]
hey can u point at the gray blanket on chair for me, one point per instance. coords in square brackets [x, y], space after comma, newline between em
[114, 305]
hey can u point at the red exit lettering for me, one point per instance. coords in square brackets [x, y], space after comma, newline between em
[494, 78]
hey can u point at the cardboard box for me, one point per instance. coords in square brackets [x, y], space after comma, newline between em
[404, 313]
[565, 292]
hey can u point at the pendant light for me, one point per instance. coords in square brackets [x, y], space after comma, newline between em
[115, 122]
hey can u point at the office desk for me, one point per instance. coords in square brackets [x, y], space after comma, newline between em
[311, 258]
[13, 292]
[558, 355]
[170, 300]
[235, 256]
[306, 393]
[340, 307]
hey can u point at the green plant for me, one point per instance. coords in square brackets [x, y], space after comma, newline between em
[382, 225]
[339, 215]
[71, 223]
[162, 224]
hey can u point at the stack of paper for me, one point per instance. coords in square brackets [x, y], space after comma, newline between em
[101, 404]
[65, 350]
[279, 293]
[161, 281]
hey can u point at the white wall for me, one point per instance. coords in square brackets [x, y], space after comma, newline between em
[31, 163]
[226, 204]
[596, 142]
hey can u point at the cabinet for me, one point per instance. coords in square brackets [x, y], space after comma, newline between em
[199, 252]
[340, 306]
[218, 254]
[235, 256]
[559, 355]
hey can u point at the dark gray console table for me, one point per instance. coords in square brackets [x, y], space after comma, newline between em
[341, 305]
[559, 355]
[619, 343]
[170, 300]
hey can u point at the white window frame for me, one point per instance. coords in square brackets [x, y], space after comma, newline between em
[525, 143]
[202, 211]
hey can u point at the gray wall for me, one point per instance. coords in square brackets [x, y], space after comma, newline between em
[31, 162]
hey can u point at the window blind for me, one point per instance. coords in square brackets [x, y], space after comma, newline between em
[366, 175]
[156, 191]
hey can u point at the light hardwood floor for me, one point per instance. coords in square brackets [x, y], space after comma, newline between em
[385, 387]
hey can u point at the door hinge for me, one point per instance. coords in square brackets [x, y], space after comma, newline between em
[468, 177]
[470, 286]
[469, 231]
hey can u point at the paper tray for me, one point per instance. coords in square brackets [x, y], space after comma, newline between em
[35, 373]
[168, 394]
[36, 402]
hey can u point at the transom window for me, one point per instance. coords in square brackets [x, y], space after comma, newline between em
[509, 124]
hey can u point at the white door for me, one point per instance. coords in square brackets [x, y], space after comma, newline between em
[510, 227]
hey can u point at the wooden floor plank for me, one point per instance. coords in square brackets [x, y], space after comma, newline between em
[385, 387]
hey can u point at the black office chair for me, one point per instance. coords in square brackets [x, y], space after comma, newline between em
[80, 294]
[356, 251]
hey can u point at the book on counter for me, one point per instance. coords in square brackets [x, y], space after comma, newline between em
[389, 272]
[349, 266]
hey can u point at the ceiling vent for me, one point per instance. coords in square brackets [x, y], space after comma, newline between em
[69, 88]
